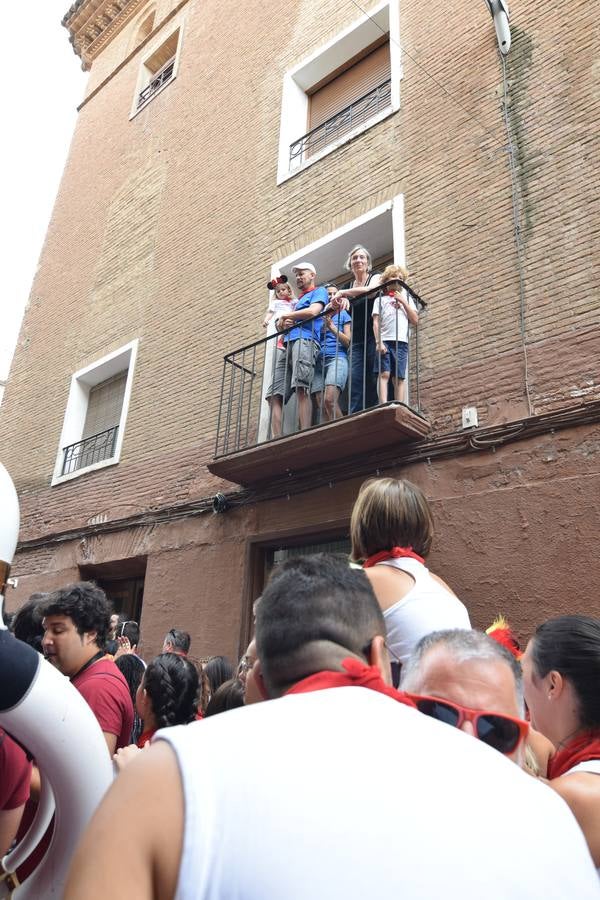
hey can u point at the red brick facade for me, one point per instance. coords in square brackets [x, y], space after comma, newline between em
[165, 228]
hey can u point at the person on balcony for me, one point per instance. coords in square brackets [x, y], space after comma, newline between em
[391, 530]
[331, 371]
[281, 306]
[304, 340]
[392, 314]
[363, 389]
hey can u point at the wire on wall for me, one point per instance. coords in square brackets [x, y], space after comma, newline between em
[517, 233]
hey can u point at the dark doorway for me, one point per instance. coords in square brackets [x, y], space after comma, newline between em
[123, 583]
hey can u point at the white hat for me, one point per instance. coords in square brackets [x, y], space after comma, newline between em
[304, 266]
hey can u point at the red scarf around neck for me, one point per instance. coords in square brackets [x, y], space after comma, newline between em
[357, 674]
[582, 748]
[392, 553]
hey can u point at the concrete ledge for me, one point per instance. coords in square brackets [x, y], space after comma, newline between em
[366, 432]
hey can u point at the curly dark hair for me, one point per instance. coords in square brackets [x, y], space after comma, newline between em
[86, 604]
[27, 622]
[172, 684]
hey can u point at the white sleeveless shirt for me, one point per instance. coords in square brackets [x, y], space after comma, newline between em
[289, 800]
[425, 608]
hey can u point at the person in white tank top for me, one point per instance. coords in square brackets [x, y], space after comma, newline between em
[391, 531]
[561, 673]
[335, 789]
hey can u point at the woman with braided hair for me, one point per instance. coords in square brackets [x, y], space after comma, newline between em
[167, 695]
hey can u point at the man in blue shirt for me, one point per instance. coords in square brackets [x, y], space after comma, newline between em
[304, 341]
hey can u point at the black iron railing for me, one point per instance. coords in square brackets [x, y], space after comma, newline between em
[258, 401]
[345, 120]
[91, 450]
[162, 76]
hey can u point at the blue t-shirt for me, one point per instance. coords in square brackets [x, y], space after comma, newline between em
[309, 329]
[329, 340]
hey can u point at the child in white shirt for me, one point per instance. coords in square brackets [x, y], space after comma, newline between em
[392, 314]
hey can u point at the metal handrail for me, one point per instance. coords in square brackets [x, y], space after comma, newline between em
[95, 448]
[162, 76]
[348, 117]
[246, 376]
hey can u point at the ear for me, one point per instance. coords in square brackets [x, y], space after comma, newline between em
[556, 685]
[379, 657]
[90, 637]
[259, 680]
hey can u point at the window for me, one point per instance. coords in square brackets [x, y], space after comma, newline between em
[94, 423]
[158, 69]
[123, 583]
[144, 29]
[344, 88]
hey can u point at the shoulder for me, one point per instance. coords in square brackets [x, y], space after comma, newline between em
[581, 790]
[319, 295]
[374, 279]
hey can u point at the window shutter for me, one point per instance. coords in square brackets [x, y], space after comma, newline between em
[104, 405]
[350, 85]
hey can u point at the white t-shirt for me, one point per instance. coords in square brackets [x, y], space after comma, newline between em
[393, 321]
[345, 794]
[425, 608]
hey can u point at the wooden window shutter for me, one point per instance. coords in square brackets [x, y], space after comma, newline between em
[104, 405]
[356, 80]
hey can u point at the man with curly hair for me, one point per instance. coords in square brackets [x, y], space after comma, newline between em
[76, 623]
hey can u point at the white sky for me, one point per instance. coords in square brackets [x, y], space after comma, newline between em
[43, 85]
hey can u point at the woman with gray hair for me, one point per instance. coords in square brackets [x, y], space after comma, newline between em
[363, 388]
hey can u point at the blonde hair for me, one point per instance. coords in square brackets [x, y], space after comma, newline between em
[394, 273]
[390, 512]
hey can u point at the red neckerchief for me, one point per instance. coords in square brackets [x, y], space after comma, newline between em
[357, 674]
[146, 736]
[393, 553]
[581, 749]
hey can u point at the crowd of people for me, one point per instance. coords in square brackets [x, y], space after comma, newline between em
[331, 338]
[300, 789]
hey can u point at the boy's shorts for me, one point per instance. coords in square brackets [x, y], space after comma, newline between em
[304, 354]
[336, 372]
[394, 361]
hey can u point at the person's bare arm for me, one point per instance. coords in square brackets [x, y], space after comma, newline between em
[581, 791]
[143, 813]
[10, 819]
[302, 314]
[381, 348]
[111, 741]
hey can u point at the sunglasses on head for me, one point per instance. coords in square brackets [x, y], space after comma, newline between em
[501, 732]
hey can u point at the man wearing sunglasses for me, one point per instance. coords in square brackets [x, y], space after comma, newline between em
[468, 680]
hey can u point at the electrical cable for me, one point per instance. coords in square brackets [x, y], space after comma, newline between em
[429, 75]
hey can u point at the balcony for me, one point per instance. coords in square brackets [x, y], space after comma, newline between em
[91, 450]
[251, 445]
[162, 76]
[344, 121]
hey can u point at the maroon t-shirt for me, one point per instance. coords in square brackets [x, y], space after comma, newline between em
[104, 688]
[15, 774]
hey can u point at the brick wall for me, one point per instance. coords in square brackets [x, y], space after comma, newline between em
[165, 227]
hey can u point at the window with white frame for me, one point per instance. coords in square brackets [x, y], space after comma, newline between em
[343, 89]
[95, 416]
[158, 69]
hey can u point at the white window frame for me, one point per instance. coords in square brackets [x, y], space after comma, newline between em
[121, 360]
[346, 236]
[297, 81]
[142, 79]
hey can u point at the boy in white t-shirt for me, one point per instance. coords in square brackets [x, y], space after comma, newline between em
[392, 314]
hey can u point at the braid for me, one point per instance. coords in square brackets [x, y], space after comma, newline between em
[171, 682]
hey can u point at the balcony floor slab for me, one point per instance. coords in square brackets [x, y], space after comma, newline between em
[352, 436]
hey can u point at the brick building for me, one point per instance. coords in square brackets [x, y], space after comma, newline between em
[214, 147]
